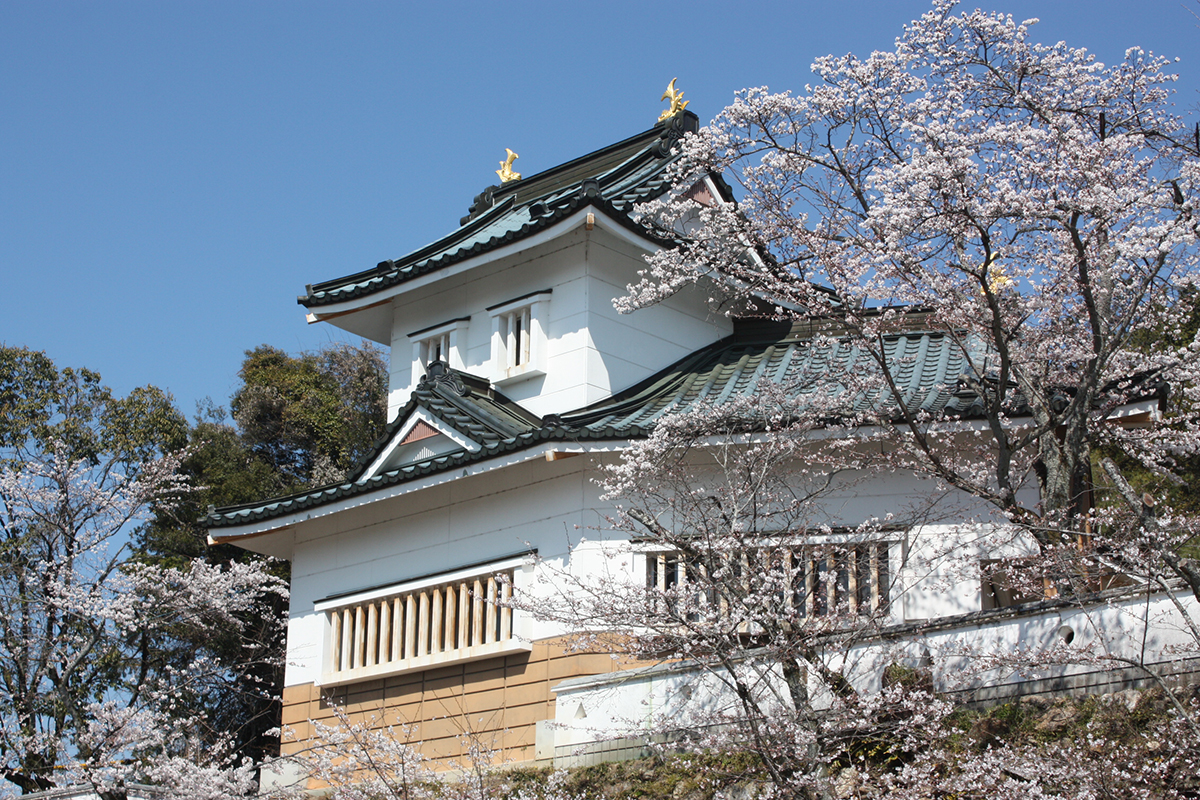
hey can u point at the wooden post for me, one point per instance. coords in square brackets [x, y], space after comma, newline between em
[372, 635]
[451, 619]
[506, 612]
[423, 626]
[347, 638]
[490, 633]
[397, 628]
[385, 631]
[359, 640]
[435, 625]
[410, 626]
[464, 616]
[335, 639]
[876, 600]
[852, 578]
[477, 615]
[811, 583]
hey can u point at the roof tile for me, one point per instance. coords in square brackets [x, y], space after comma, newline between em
[716, 375]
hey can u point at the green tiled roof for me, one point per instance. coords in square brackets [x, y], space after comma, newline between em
[613, 180]
[926, 366]
[929, 368]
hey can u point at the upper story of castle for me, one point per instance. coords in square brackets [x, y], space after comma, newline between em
[521, 294]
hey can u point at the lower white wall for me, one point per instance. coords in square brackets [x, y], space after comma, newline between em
[980, 653]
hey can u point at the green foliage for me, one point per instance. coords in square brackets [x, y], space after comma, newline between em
[311, 416]
[41, 405]
[77, 471]
[224, 471]
[298, 421]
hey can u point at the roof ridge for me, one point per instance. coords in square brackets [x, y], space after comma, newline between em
[659, 130]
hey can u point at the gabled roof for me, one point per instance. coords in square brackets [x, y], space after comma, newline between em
[613, 179]
[931, 367]
[461, 406]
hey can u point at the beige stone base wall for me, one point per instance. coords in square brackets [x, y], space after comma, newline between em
[497, 702]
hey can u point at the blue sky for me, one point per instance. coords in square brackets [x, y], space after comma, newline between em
[173, 173]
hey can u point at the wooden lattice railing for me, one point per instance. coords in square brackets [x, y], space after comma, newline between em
[415, 628]
[850, 577]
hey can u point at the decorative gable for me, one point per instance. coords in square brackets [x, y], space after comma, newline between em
[450, 413]
[421, 437]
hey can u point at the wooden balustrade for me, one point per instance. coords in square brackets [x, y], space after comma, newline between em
[849, 578]
[458, 620]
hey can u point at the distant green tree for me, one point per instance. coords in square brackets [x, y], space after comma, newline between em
[41, 405]
[298, 421]
[311, 416]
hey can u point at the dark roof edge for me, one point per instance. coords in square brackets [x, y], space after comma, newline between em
[392, 278]
[322, 495]
[502, 199]
[383, 267]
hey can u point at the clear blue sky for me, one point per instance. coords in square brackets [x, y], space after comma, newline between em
[173, 173]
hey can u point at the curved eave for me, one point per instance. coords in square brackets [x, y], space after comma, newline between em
[244, 522]
[381, 289]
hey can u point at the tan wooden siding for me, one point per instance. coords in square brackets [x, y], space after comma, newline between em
[498, 701]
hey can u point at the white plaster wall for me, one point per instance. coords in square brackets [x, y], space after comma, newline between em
[540, 505]
[556, 508]
[1136, 628]
[591, 350]
[631, 347]
[556, 265]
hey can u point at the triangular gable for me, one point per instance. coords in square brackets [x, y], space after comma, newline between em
[420, 437]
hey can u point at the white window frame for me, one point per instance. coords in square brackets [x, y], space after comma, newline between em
[519, 338]
[449, 337]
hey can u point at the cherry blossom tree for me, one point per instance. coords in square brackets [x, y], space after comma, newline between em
[356, 757]
[1037, 209]
[1026, 200]
[751, 587]
[88, 691]
[1022, 198]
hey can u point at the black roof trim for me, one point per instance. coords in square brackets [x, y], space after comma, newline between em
[530, 228]
[458, 235]
[445, 324]
[519, 299]
[573, 171]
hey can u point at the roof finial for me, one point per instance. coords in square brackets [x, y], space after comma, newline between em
[677, 102]
[506, 171]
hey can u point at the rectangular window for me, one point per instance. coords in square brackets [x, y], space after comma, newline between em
[519, 341]
[435, 348]
[440, 343]
[419, 625]
[514, 333]
[804, 580]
